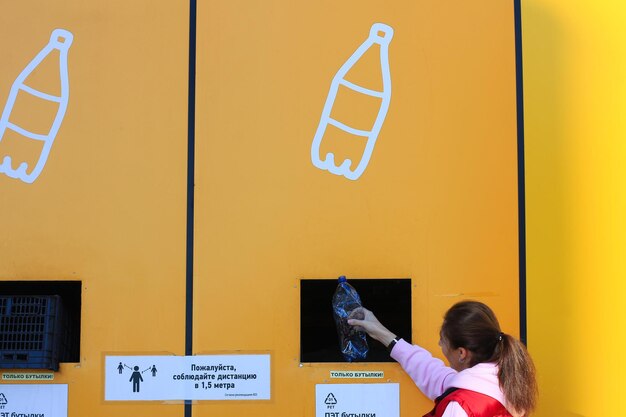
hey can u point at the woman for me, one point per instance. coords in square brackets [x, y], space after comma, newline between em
[490, 374]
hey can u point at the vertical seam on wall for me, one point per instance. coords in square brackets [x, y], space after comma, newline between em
[520, 171]
[191, 144]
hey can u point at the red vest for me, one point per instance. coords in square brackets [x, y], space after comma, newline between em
[474, 404]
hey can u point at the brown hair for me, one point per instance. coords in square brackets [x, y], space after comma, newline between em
[473, 326]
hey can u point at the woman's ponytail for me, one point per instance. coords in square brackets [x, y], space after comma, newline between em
[516, 374]
[474, 326]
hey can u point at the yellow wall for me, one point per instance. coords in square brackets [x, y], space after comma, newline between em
[437, 203]
[574, 66]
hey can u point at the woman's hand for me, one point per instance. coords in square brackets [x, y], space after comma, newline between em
[365, 320]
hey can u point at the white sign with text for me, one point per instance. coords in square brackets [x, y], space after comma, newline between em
[202, 377]
[44, 400]
[362, 400]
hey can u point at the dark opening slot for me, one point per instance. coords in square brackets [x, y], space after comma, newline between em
[26, 321]
[389, 299]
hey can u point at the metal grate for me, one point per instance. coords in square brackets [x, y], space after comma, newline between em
[22, 326]
[32, 330]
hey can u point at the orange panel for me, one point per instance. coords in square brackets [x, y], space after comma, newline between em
[436, 203]
[109, 206]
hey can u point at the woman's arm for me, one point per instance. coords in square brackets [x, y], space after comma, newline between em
[428, 373]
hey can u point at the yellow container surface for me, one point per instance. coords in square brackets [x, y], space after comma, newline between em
[436, 202]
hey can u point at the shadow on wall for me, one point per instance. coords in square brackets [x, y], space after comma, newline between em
[549, 238]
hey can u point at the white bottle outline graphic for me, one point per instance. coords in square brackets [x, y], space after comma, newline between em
[61, 40]
[338, 80]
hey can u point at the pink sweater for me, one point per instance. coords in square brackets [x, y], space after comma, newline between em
[432, 376]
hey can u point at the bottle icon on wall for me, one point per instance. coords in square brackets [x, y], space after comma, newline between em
[381, 35]
[60, 41]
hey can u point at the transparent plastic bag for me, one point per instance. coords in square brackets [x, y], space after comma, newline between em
[353, 343]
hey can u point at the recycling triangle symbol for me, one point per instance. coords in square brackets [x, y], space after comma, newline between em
[330, 399]
[3, 399]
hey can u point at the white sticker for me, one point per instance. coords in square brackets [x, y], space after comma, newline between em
[380, 35]
[357, 374]
[53, 54]
[48, 400]
[363, 400]
[27, 376]
[171, 378]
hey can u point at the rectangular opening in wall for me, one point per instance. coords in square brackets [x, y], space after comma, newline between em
[39, 323]
[388, 298]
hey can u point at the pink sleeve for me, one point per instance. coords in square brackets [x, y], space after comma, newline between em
[429, 374]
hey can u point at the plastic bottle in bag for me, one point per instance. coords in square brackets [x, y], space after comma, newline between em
[353, 343]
